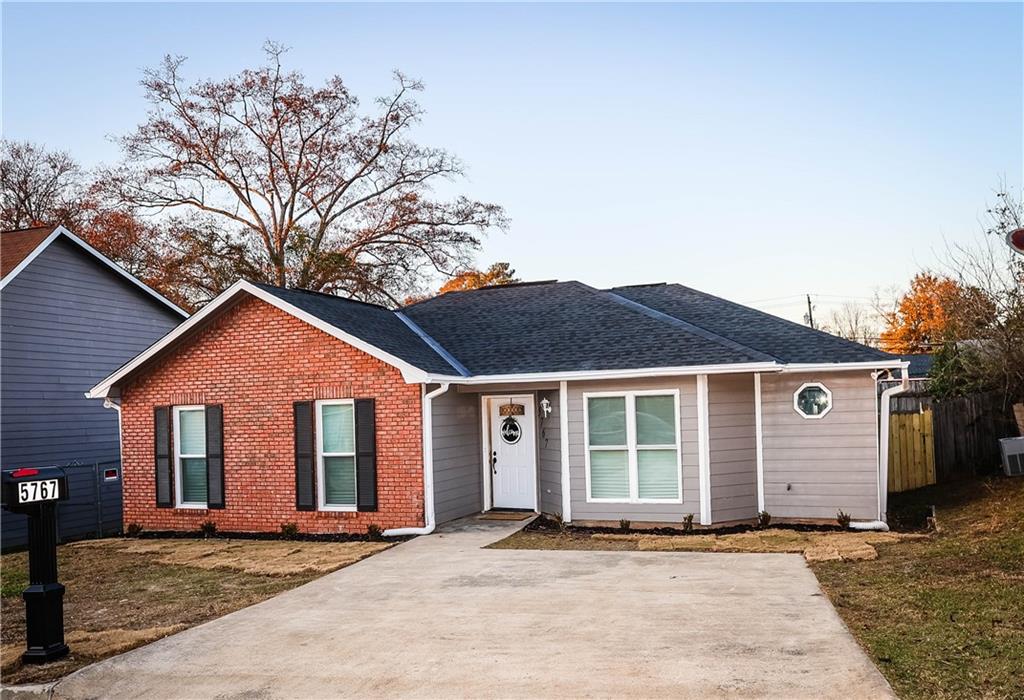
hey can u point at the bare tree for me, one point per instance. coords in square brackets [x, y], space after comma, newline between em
[854, 322]
[989, 322]
[276, 180]
[37, 186]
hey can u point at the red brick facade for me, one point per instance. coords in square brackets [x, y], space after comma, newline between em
[257, 361]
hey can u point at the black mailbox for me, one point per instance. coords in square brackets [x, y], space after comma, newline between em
[35, 492]
[24, 489]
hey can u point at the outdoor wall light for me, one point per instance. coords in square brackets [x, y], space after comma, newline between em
[545, 408]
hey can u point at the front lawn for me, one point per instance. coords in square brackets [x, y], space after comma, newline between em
[122, 593]
[944, 617]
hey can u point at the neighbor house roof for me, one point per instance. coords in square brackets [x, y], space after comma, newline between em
[920, 364]
[790, 342]
[15, 246]
[546, 330]
[20, 247]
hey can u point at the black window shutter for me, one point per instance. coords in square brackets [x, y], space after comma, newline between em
[305, 484]
[366, 455]
[215, 456]
[162, 450]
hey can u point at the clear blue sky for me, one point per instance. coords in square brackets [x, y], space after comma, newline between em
[753, 151]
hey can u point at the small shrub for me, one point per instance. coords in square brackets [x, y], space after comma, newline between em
[688, 523]
[289, 530]
[208, 528]
[843, 519]
[624, 525]
[133, 530]
[557, 520]
[374, 532]
[764, 519]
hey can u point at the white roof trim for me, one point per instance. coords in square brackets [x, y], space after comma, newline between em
[61, 231]
[687, 370]
[634, 373]
[411, 374]
[844, 366]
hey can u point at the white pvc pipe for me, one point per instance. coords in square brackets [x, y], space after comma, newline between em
[876, 525]
[428, 470]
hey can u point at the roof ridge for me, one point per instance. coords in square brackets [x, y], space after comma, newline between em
[303, 290]
[691, 327]
[780, 318]
[434, 345]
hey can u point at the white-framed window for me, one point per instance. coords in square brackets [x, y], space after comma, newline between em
[812, 400]
[190, 456]
[336, 454]
[632, 449]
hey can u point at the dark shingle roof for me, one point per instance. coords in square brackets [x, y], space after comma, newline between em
[563, 327]
[920, 364]
[376, 325]
[788, 341]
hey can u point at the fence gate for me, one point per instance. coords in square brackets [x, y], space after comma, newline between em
[911, 449]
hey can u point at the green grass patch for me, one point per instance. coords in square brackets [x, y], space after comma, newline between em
[13, 580]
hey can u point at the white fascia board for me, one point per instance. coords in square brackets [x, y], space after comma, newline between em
[61, 231]
[610, 374]
[411, 374]
[844, 366]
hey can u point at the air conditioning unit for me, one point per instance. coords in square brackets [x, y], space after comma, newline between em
[1013, 455]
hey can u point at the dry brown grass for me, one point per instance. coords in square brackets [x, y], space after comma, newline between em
[815, 546]
[257, 557]
[122, 593]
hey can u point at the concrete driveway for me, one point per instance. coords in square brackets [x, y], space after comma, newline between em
[440, 617]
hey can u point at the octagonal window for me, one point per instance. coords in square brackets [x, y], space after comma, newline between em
[812, 400]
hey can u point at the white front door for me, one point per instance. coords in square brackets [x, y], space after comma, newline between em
[512, 459]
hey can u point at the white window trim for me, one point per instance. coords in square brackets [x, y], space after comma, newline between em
[178, 456]
[320, 454]
[631, 447]
[796, 400]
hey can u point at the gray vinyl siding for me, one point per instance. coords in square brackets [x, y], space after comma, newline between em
[68, 321]
[661, 512]
[549, 447]
[457, 453]
[733, 447]
[812, 468]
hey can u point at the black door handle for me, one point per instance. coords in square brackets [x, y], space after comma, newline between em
[494, 462]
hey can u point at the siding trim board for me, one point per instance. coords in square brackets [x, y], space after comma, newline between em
[704, 449]
[759, 436]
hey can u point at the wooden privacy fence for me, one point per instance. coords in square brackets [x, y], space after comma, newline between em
[934, 442]
[911, 450]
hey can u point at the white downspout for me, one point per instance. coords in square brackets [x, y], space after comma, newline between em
[111, 403]
[428, 470]
[883, 453]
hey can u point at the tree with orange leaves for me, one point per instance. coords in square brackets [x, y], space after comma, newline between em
[496, 274]
[923, 317]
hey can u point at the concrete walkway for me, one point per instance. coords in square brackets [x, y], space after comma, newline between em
[440, 617]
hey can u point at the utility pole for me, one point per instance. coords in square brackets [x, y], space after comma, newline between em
[810, 312]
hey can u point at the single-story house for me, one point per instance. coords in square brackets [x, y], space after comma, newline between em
[647, 403]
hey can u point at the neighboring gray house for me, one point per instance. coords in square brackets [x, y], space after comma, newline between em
[645, 403]
[70, 316]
